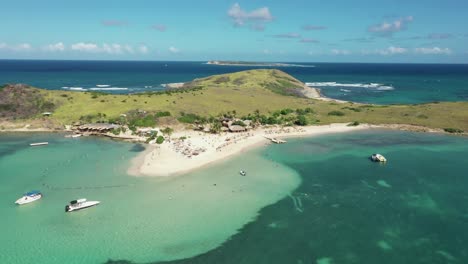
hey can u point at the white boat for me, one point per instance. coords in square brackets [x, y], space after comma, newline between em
[39, 144]
[79, 204]
[29, 197]
[76, 136]
[242, 172]
[378, 158]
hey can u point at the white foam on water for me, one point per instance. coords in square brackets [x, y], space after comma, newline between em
[377, 86]
[108, 89]
[102, 85]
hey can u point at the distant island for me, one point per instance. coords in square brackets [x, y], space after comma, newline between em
[255, 64]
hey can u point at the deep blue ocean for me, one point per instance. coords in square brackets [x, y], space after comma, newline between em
[367, 83]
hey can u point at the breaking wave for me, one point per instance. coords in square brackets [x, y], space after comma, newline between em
[377, 86]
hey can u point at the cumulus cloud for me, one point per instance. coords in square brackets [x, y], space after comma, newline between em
[17, 48]
[388, 51]
[113, 49]
[159, 27]
[55, 47]
[312, 27]
[173, 50]
[309, 40]
[433, 50]
[87, 47]
[387, 29]
[114, 23]
[340, 52]
[287, 35]
[255, 18]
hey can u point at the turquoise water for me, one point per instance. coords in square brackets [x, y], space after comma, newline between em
[349, 210]
[315, 200]
[142, 219]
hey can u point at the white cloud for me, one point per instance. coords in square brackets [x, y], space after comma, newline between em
[255, 17]
[388, 51]
[86, 47]
[55, 47]
[143, 49]
[340, 52]
[128, 49]
[173, 49]
[433, 50]
[16, 48]
[113, 49]
[386, 29]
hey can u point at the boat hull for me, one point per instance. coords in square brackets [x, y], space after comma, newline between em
[27, 199]
[85, 205]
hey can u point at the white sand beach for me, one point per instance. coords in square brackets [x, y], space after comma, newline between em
[199, 149]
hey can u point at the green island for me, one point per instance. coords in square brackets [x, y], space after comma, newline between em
[267, 97]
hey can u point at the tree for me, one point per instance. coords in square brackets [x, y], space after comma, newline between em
[301, 120]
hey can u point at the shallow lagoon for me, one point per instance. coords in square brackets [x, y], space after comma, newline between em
[323, 202]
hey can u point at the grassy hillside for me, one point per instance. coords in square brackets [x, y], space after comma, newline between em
[259, 92]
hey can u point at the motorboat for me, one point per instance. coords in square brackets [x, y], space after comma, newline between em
[242, 172]
[29, 197]
[79, 204]
[378, 158]
[39, 144]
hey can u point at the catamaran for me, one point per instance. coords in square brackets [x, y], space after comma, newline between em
[29, 197]
[79, 204]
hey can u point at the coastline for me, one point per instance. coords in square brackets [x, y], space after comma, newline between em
[168, 158]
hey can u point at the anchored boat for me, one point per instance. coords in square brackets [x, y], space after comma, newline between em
[39, 144]
[79, 204]
[378, 158]
[29, 197]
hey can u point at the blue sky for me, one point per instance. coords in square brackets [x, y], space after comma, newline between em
[296, 30]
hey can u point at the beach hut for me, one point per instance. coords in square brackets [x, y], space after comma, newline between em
[98, 127]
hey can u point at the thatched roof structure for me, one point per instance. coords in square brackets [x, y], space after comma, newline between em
[100, 127]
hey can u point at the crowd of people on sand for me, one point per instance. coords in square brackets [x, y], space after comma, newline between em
[189, 149]
[234, 139]
[186, 148]
[284, 130]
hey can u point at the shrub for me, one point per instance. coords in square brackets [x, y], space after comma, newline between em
[160, 140]
[355, 123]
[453, 130]
[191, 118]
[163, 114]
[167, 131]
[146, 121]
[286, 111]
[336, 113]
[301, 120]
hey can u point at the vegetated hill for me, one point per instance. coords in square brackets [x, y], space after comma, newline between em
[260, 93]
[21, 101]
[274, 80]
